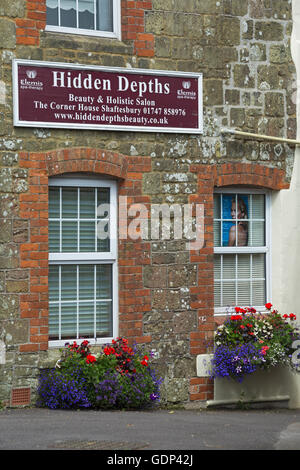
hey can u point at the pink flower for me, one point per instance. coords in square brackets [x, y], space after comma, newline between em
[264, 350]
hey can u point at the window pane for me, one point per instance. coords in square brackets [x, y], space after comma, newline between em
[243, 293]
[87, 236]
[258, 266]
[243, 267]
[258, 206]
[105, 15]
[69, 203]
[217, 294]
[217, 266]
[228, 289]
[104, 319]
[103, 242]
[217, 233]
[53, 283]
[69, 237]
[87, 203]
[229, 267]
[103, 196]
[68, 13]
[86, 282]
[68, 282]
[86, 14]
[52, 12]
[68, 321]
[54, 237]
[104, 281]
[257, 234]
[86, 320]
[259, 292]
[53, 322]
[54, 203]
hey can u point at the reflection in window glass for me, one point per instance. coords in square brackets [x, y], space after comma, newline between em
[89, 15]
[86, 14]
[68, 13]
[52, 12]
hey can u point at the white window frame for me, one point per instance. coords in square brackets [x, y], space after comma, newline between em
[94, 258]
[116, 33]
[221, 311]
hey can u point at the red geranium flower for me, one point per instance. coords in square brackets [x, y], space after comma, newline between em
[90, 359]
[236, 317]
[268, 306]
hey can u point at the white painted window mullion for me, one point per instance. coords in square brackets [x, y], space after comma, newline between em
[58, 12]
[77, 14]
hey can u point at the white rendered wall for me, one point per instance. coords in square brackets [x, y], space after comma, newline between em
[286, 226]
[285, 269]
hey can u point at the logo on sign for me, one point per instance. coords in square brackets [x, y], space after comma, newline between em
[186, 85]
[185, 92]
[31, 73]
[30, 83]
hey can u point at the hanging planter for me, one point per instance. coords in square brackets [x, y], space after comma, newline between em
[249, 341]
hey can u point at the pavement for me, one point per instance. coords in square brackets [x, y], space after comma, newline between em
[156, 430]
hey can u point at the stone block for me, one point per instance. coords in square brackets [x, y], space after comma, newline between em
[243, 77]
[182, 276]
[274, 104]
[177, 390]
[269, 77]
[9, 306]
[269, 31]
[162, 46]
[212, 92]
[5, 230]
[15, 8]
[155, 276]
[228, 30]
[7, 33]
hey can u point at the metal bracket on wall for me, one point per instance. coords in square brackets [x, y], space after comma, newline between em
[260, 136]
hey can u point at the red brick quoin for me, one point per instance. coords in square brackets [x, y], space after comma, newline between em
[132, 25]
[134, 300]
[209, 177]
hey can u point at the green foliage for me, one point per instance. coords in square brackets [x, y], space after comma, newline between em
[119, 377]
[270, 337]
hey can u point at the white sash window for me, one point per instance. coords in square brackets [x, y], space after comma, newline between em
[242, 249]
[82, 260]
[87, 17]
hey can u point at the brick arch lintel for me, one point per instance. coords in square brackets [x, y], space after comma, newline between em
[246, 174]
[76, 159]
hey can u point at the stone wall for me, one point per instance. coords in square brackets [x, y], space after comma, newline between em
[242, 48]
